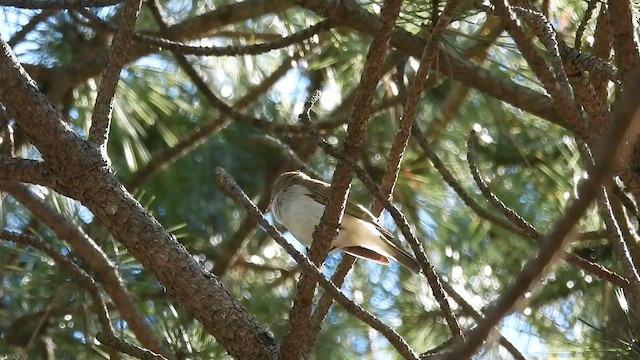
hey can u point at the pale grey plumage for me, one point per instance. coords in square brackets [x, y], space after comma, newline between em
[298, 201]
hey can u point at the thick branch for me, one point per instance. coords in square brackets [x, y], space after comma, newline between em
[84, 174]
[30, 108]
[26, 171]
[91, 254]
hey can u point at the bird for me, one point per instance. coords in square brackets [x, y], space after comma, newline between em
[298, 202]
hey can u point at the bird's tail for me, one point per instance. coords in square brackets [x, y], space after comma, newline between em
[380, 251]
[404, 258]
[390, 249]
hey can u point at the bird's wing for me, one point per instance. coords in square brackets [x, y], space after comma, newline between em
[321, 194]
[365, 253]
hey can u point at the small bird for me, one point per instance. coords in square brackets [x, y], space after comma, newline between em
[298, 202]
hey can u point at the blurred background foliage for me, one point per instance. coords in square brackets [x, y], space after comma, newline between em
[530, 163]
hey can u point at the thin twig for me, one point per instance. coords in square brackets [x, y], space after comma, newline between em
[626, 125]
[595, 269]
[601, 49]
[629, 235]
[528, 230]
[625, 42]
[631, 182]
[327, 229]
[30, 26]
[325, 302]
[393, 166]
[549, 38]
[477, 316]
[516, 219]
[57, 4]
[457, 187]
[288, 153]
[117, 58]
[557, 86]
[233, 50]
[571, 59]
[188, 144]
[619, 242]
[86, 249]
[225, 256]
[127, 348]
[583, 23]
[398, 217]
[626, 201]
[230, 188]
[592, 235]
[74, 270]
